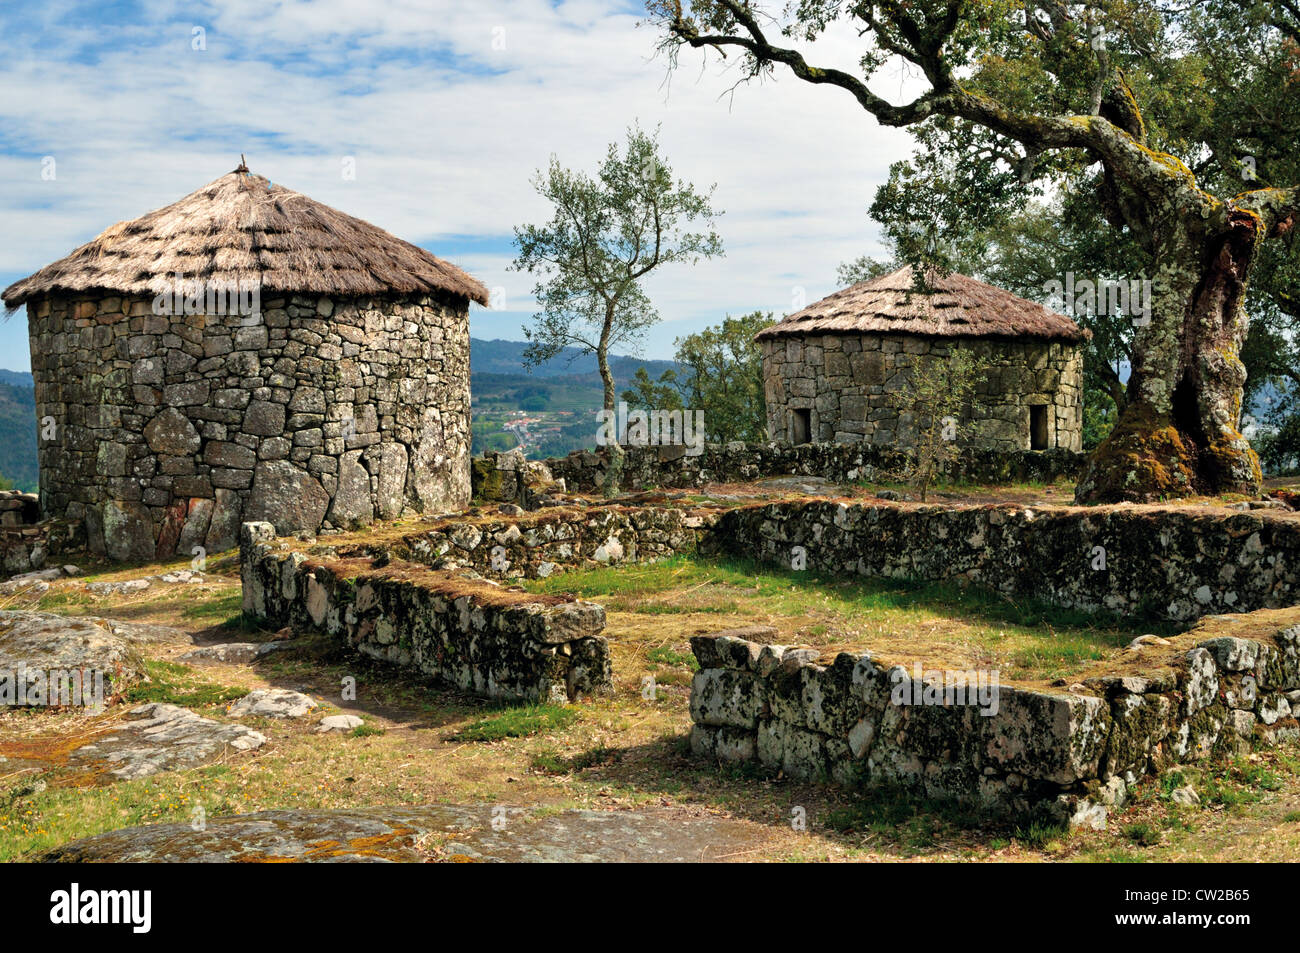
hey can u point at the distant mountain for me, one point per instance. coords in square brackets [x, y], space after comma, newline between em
[16, 378]
[507, 357]
[18, 431]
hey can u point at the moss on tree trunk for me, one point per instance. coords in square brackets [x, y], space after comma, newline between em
[1178, 435]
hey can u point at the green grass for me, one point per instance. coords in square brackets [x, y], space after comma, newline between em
[1039, 835]
[226, 612]
[64, 599]
[517, 723]
[363, 731]
[177, 684]
[34, 821]
[888, 811]
[548, 761]
[664, 655]
[1142, 834]
[1114, 856]
[1240, 783]
[222, 607]
[802, 590]
[1029, 638]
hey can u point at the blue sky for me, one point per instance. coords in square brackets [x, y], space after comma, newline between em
[447, 109]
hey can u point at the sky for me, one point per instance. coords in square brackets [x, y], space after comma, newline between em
[444, 111]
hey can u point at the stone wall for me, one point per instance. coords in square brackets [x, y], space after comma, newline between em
[1173, 563]
[26, 548]
[854, 387]
[509, 477]
[536, 545]
[668, 467]
[1053, 755]
[164, 432]
[26, 542]
[469, 633]
[19, 509]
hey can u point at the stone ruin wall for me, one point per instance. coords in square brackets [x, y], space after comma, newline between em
[169, 431]
[25, 545]
[1052, 755]
[1176, 563]
[551, 541]
[854, 386]
[470, 634]
[1055, 756]
[647, 468]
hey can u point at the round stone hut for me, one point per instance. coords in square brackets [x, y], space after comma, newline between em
[838, 370]
[247, 353]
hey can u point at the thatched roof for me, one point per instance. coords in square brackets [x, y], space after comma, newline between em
[954, 306]
[242, 228]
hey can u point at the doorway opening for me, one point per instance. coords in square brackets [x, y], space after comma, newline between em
[1037, 426]
[800, 426]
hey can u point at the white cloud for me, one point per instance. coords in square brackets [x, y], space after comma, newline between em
[446, 132]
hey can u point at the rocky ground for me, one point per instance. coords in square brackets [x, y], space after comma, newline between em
[221, 742]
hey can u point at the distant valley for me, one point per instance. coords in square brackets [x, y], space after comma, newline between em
[548, 411]
[17, 430]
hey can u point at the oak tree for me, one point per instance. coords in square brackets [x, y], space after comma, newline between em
[1179, 118]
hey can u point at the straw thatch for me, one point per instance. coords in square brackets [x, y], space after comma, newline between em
[952, 306]
[242, 228]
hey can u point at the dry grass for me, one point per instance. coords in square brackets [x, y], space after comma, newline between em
[625, 750]
[941, 626]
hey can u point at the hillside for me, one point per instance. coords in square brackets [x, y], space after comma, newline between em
[507, 357]
[17, 431]
[549, 410]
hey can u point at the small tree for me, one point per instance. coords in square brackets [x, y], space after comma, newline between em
[607, 234]
[935, 395]
[722, 375]
[648, 394]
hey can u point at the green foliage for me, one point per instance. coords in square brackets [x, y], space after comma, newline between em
[518, 722]
[1142, 834]
[1278, 439]
[18, 437]
[607, 235]
[665, 655]
[1146, 123]
[178, 684]
[646, 394]
[863, 268]
[936, 394]
[722, 375]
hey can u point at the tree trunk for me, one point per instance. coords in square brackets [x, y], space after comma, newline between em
[614, 465]
[1178, 435]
